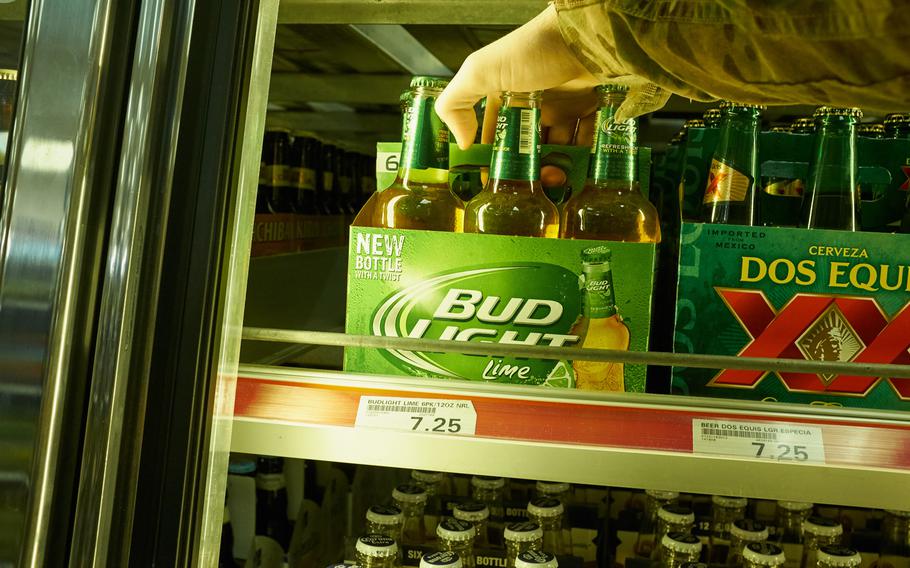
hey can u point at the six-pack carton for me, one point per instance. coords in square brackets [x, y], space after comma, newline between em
[793, 293]
[492, 288]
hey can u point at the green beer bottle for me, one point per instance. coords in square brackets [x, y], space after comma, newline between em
[730, 193]
[420, 197]
[831, 200]
[611, 206]
[513, 201]
[601, 326]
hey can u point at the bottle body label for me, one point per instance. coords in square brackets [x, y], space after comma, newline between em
[516, 148]
[725, 183]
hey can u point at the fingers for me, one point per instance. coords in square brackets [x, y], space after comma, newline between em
[491, 111]
[561, 133]
[455, 106]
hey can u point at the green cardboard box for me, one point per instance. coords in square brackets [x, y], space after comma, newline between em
[794, 293]
[471, 287]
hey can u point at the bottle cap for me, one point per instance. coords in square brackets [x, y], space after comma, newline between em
[764, 554]
[712, 115]
[795, 505]
[423, 476]
[471, 512]
[871, 129]
[681, 542]
[485, 482]
[729, 502]
[410, 493]
[781, 128]
[612, 88]
[524, 531]
[450, 528]
[820, 526]
[596, 254]
[837, 111]
[377, 546]
[749, 530]
[545, 507]
[535, 559]
[385, 515]
[694, 123]
[730, 104]
[429, 82]
[9, 74]
[676, 514]
[552, 487]
[441, 559]
[896, 118]
[840, 556]
[803, 125]
[662, 495]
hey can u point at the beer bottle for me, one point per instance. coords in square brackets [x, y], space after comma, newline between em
[730, 193]
[790, 516]
[478, 515]
[724, 510]
[345, 162]
[654, 500]
[872, 130]
[601, 325]
[677, 548]
[763, 555]
[513, 202]
[548, 513]
[327, 182]
[420, 197]
[832, 556]
[489, 491]
[303, 163]
[743, 532]
[671, 518]
[412, 500]
[803, 125]
[272, 501]
[818, 531]
[831, 200]
[441, 559]
[270, 198]
[521, 537]
[367, 178]
[895, 545]
[555, 489]
[536, 559]
[431, 481]
[376, 551]
[712, 118]
[458, 537]
[385, 520]
[611, 206]
[897, 125]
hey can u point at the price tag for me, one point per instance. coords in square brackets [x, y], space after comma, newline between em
[387, 162]
[763, 440]
[431, 415]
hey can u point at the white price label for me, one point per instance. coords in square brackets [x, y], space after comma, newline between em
[431, 415]
[773, 441]
[387, 162]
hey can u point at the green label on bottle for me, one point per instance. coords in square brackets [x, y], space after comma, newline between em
[597, 283]
[614, 147]
[425, 140]
[516, 148]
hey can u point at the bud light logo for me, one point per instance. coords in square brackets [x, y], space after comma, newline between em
[534, 304]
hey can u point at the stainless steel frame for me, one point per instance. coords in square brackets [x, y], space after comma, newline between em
[51, 240]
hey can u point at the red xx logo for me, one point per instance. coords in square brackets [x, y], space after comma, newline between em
[819, 328]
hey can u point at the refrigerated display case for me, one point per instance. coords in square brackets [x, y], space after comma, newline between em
[192, 350]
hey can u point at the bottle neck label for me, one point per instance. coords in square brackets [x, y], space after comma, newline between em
[305, 178]
[516, 148]
[614, 149]
[597, 283]
[726, 183]
[425, 140]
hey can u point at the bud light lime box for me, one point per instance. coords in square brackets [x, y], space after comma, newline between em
[816, 295]
[463, 287]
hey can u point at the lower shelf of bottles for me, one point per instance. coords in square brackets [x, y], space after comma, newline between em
[638, 441]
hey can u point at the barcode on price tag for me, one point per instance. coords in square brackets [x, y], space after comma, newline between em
[761, 440]
[428, 415]
[526, 134]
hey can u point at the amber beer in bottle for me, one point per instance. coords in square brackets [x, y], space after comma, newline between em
[513, 201]
[611, 206]
[730, 193]
[832, 200]
[420, 197]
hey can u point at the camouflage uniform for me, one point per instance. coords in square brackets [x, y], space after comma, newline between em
[836, 52]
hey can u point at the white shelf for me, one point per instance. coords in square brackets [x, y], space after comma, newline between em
[626, 440]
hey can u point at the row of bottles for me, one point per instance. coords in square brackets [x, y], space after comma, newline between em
[513, 202]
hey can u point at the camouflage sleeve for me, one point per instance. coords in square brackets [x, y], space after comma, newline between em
[836, 52]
